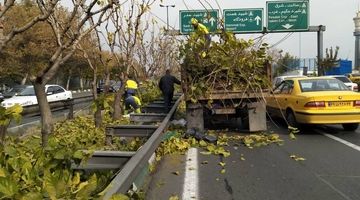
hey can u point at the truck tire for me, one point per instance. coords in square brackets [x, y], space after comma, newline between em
[350, 127]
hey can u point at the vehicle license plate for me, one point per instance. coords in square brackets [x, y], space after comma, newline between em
[339, 103]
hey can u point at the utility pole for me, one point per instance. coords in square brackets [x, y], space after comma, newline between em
[357, 40]
[167, 14]
[167, 59]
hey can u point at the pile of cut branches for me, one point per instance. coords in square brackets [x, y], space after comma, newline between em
[230, 64]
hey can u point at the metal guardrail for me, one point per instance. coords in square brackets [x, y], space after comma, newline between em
[129, 131]
[127, 175]
[104, 160]
[56, 105]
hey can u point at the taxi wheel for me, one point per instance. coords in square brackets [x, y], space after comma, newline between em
[350, 127]
[291, 120]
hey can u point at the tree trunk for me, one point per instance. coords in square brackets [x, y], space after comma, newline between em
[117, 106]
[2, 133]
[117, 101]
[81, 83]
[97, 114]
[68, 82]
[45, 112]
[23, 81]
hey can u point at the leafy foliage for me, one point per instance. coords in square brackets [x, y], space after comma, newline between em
[329, 61]
[231, 64]
[11, 113]
[6, 116]
[150, 91]
[27, 170]
[103, 102]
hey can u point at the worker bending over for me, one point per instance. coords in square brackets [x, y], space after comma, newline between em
[132, 104]
[131, 87]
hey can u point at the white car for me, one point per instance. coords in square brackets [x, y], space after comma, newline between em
[277, 80]
[352, 86]
[27, 96]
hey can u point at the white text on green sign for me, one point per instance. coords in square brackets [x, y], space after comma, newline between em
[243, 20]
[208, 18]
[287, 15]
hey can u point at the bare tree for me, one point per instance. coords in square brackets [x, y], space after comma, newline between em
[128, 24]
[157, 53]
[68, 30]
[46, 10]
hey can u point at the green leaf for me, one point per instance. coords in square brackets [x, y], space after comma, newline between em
[119, 197]
[49, 184]
[76, 179]
[174, 197]
[32, 196]
[8, 187]
[86, 188]
[292, 136]
[297, 158]
[223, 171]
[78, 154]
[222, 164]
[60, 155]
[2, 172]
[202, 143]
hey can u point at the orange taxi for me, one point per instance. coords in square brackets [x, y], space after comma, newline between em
[315, 100]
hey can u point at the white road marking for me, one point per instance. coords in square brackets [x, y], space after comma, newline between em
[349, 144]
[23, 125]
[191, 181]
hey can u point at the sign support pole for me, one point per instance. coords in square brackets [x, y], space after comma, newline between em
[320, 50]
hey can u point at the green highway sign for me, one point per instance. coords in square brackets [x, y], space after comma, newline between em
[207, 17]
[287, 15]
[243, 20]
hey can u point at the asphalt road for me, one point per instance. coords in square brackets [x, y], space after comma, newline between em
[331, 170]
[29, 121]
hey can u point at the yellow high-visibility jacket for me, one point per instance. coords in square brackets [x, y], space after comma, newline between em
[137, 100]
[201, 29]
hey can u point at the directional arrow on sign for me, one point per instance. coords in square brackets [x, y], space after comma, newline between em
[212, 20]
[287, 26]
[258, 19]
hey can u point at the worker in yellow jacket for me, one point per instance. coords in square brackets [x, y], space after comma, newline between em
[201, 30]
[132, 104]
[131, 87]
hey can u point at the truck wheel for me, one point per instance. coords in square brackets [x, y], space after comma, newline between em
[291, 120]
[350, 127]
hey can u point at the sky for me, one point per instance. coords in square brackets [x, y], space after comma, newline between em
[336, 15]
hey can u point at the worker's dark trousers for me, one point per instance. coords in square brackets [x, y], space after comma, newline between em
[167, 100]
[130, 103]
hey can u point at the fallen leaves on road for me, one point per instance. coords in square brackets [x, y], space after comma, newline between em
[174, 197]
[222, 164]
[297, 158]
[204, 162]
[292, 132]
[176, 173]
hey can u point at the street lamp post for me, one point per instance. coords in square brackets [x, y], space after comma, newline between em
[167, 14]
